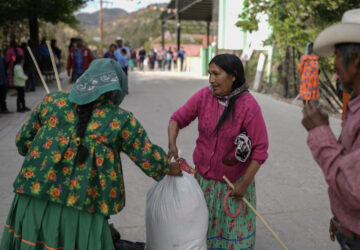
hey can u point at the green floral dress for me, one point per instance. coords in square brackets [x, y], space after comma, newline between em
[49, 171]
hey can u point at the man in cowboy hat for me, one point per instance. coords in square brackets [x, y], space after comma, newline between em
[340, 159]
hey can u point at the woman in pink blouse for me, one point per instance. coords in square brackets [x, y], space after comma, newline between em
[232, 142]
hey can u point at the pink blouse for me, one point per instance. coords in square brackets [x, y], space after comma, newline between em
[211, 147]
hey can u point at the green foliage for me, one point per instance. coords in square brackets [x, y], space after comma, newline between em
[47, 10]
[294, 22]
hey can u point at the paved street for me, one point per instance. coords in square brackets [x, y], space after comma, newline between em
[291, 191]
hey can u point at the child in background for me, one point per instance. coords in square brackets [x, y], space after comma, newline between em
[122, 60]
[19, 82]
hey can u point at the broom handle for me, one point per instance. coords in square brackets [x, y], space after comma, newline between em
[38, 70]
[258, 215]
[54, 66]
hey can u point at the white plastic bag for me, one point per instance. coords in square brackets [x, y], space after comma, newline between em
[176, 214]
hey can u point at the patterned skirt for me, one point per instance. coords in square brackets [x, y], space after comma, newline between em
[224, 232]
[37, 224]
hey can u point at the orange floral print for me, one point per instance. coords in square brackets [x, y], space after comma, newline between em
[44, 111]
[51, 175]
[110, 156]
[94, 125]
[36, 187]
[126, 134]
[99, 161]
[70, 116]
[35, 153]
[113, 193]
[104, 208]
[72, 199]
[69, 154]
[102, 183]
[61, 103]
[55, 193]
[99, 112]
[63, 140]
[53, 120]
[66, 170]
[57, 157]
[47, 144]
[114, 125]
[146, 165]
[113, 175]
[29, 173]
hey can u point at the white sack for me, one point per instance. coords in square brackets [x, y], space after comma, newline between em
[176, 215]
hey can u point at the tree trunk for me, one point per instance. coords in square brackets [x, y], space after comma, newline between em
[285, 76]
[34, 35]
[34, 42]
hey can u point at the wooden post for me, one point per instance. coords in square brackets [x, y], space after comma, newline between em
[178, 24]
[101, 30]
[163, 34]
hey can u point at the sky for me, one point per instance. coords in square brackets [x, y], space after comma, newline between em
[127, 5]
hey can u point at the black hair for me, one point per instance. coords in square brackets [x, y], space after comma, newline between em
[53, 42]
[19, 58]
[348, 51]
[113, 45]
[233, 66]
[84, 112]
[123, 51]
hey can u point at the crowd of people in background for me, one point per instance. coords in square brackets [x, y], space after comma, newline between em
[17, 56]
[161, 59]
[17, 70]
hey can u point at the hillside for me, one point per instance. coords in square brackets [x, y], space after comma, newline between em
[137, 28]
[92, 19]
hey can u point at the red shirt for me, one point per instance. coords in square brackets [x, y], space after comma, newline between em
[87, 59]
[211, 148]
[340, 163]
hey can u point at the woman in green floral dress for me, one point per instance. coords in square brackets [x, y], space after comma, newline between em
[71, 178]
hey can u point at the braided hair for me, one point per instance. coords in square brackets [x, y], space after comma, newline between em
[232, 65]
[84, 112]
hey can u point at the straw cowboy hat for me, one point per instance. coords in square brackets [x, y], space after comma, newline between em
[348, 31]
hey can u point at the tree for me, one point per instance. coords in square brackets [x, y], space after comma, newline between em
[294, 22]
[53, 11]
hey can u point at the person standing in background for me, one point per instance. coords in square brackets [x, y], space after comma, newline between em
[142, 55]
[132, 61]
[119, 42]
[79, 60]
[111, 52]
[182, 57]
[169, 58]
[309, 71]
[28, 68]
[57, 54]
[3, 86]
[10, 58]
[174, 59]
[45, 61]
[19, 82]
[123, 61]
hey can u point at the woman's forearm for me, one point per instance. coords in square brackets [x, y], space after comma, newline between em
[173, 131]
[251, 171]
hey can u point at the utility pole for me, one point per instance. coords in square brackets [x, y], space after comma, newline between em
[178, 24]
[101, 29]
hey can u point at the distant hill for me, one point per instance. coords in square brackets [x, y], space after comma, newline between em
[92, 19]
[139, 28]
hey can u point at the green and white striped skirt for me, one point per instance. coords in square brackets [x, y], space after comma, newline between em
[38, 224]
[224, 232]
